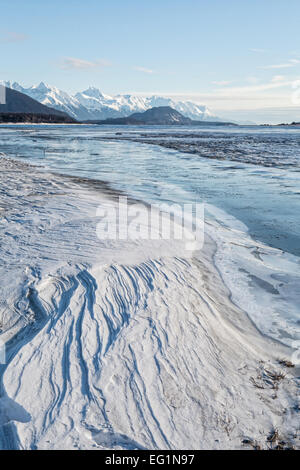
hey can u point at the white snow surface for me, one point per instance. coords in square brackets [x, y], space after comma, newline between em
[123, 345]
[93, 104]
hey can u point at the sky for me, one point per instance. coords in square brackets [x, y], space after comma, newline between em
[240, 58]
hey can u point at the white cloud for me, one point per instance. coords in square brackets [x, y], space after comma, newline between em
[290, 63]
[80, 64]
[276, 82]
[270, 114]
[252, 80]
[223, 82]
[277, 92]
[143, 69]
[278, 78]
[12, 36]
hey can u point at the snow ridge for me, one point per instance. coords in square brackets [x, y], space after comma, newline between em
[148, 352]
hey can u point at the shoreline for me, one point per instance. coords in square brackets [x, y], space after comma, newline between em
[254, 277]
[208, 340]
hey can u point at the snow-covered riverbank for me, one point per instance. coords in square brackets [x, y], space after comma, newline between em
[121, 345]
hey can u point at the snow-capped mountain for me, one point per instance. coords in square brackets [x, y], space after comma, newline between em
[54, 98]
[124, 105]
[93, 104]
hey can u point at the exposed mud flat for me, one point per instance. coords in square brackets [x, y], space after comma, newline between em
[269, 149]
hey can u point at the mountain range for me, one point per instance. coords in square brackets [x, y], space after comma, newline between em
[19, 107]
[92, 104]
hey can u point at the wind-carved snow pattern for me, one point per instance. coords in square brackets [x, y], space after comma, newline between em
[122, 346]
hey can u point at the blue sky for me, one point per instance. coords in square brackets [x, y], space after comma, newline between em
[241, 58]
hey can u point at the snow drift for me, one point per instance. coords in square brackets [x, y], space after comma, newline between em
[120, 345]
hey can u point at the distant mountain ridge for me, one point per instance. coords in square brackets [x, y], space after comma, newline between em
[160, 115]
[92, 104]
[19, 107]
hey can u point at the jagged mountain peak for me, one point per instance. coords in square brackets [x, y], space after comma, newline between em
[43, 86]
[94, 92]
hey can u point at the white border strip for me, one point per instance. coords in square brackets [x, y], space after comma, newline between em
[2, 94]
